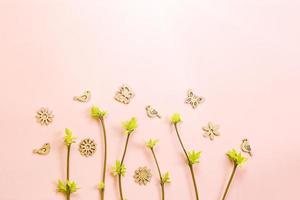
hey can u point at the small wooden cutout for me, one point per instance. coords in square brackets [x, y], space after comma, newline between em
[142, 175]
[124, 94]
[211, 130]
[85, 97]
[87, 147]
[151, 112]
[44, 150]
[193, 99]
[245, 146]
[44, 116]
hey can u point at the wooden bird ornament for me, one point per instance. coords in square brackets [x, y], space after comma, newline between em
[85, 97]
[151, 112]
[245, 146]
[44, 150]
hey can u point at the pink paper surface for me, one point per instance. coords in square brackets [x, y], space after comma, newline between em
[242, 56]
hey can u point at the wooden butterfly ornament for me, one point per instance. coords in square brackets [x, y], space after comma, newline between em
[124, 94]
[44, 150]
[193, 99]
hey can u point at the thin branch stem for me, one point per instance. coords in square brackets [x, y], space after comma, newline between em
[122, 161]
[160, 176]
[179, 138]
[230, 180]
[194, 180]
[189, 164]
[68, 171]
[105, 157]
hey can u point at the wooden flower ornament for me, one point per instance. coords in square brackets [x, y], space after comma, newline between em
[211, 130]
[44, 116]
[142, 175]
[87, 147]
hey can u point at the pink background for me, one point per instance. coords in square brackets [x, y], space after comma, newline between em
[242, 56]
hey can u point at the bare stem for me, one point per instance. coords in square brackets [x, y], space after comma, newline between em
[68, 172]
[122, 161]
[162, 184]
[194, 180]
[105, 157]
[189, 164]
[230, 180]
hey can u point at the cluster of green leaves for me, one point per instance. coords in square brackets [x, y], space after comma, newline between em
[69, 138]
[119, 169]
[151, 143]
[130, 125]
[97, 113]
[194, 156]
[67, 187]
[166, 178]
[236, 157]
[101, 185]
[175, 118]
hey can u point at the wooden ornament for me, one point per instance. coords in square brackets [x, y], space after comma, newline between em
[85, 97]
[44, 116]
[142, 175]
[87, 147]
[151, 112]
[44, 150]
[193, 99]
[245, 147]
[211, 130]
[124, 94]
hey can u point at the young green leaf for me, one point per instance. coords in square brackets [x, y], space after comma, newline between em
[236, 157]
[61, 187]
[175, 118]
[130, 125]
[194, 157]
[151, 143]
[119, 169]
[101, 186]
[166, 178]
[69, 138]
[72, 186]
[97, 113]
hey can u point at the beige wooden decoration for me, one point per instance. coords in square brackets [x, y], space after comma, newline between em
[44, 150]
[87, 147]
[44, 116]
[211, 130]
[85, 97]
[193, 99]
[142, 175]
[124, 94]
[245, 146]
[151, 112]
